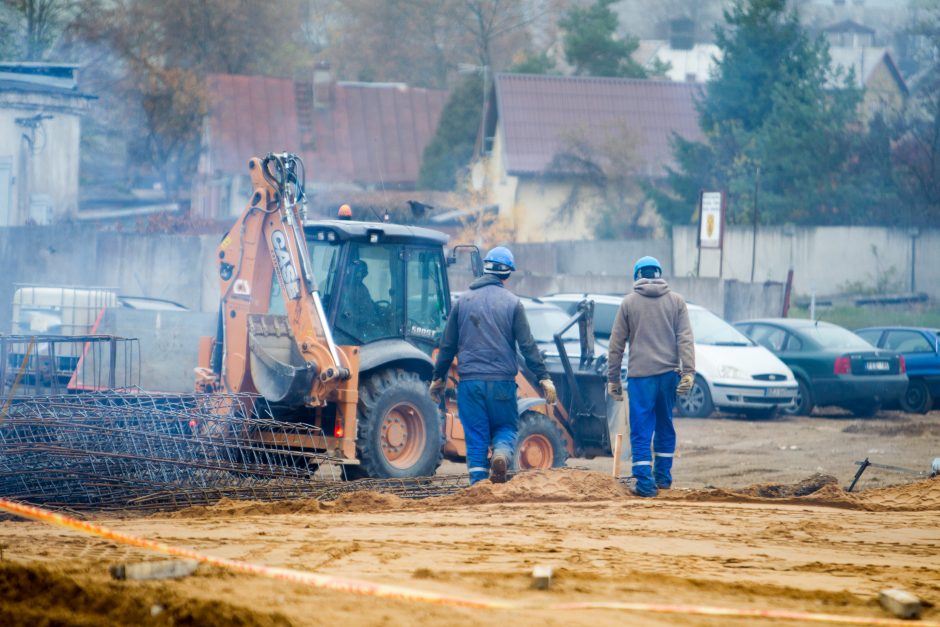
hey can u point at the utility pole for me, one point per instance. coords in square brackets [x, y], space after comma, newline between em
[754, 235]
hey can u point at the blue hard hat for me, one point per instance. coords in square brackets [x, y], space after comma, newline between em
[501, 255]
[646, 262]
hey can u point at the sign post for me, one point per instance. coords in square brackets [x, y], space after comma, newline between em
[711, 226]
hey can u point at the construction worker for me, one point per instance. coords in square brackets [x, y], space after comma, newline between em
[655, 321]
[482, 331]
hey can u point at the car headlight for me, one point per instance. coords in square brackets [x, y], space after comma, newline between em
[730, 372]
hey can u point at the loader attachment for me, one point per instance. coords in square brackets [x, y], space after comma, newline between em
[278, 370]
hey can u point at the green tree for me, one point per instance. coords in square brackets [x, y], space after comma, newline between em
[591, 42]
[451, 148]
[776, 115]
[30, 28]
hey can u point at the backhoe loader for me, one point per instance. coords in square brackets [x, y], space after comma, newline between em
[334, 323]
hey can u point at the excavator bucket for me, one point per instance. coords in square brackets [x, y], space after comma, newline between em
[278, 370]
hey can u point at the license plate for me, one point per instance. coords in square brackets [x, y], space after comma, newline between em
[877, 365]
[780, 392]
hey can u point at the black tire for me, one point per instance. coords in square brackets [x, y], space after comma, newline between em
[539, 441]
[804, 402]
[759, 413]
[916, 399]
[697, 403]
[396, 399]
[864, 410]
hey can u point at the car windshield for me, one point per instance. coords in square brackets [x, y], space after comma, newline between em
[546, 321]
[831, 336]
[712, 330]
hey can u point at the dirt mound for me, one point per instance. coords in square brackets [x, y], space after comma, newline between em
[921, 496]
[233, 507]
[34, 595]
[810, 485]
[356, 502]
[824, 490]
[557, 485]
[895, 429]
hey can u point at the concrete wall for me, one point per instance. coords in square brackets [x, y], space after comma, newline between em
[823, 258]
[601, 257]
[169, 344]
[176, 267]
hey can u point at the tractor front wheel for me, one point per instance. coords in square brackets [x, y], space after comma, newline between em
[399, 432]
[540, 443]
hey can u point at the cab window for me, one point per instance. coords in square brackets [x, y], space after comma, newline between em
[370, 306]
[426, 302]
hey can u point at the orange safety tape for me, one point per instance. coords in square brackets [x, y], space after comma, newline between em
[385, 591]
[311, 579]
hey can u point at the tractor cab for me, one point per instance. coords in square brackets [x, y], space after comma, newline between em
[378, 281]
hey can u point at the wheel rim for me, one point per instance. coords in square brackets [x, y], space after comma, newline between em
[536, 452]
[692, 402]
[402, 435]
[914, 397]
[794, 407]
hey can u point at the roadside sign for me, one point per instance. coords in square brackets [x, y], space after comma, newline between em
[711, 220]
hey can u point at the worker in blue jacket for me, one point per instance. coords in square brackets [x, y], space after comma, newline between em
[482, 331]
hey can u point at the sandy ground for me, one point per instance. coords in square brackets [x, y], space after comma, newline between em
[782, 544]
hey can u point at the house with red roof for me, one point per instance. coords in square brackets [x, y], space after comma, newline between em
[545, 135]
[353, 137]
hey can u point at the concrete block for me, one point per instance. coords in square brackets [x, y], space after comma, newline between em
[901, 603]
[165, 569]
[541, 577]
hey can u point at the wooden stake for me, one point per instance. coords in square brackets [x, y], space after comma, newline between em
[618, 446]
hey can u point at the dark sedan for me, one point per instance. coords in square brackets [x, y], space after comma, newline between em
[832, 365]
[921, 350]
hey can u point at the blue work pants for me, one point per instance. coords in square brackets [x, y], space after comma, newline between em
[651, 402]
[489, 416]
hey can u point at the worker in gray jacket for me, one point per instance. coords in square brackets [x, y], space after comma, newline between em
[655, 321]
[482, 331]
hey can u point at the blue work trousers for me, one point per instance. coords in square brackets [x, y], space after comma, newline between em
[651, 429]
[489, 416]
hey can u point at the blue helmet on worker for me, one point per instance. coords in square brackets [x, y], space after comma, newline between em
[500, 262]
[647, 268]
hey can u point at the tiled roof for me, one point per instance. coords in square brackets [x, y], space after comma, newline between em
[538, 112]
[372, 134]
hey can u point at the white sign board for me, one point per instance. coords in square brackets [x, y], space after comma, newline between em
[710, 223]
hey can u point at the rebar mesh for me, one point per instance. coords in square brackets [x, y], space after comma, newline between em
[110, 450]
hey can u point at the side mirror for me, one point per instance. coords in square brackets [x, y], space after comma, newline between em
[476, 260]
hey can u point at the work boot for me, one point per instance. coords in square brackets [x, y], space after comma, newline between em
[499, 466]
[645, 486]
[662, 472]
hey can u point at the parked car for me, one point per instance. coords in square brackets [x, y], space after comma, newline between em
[733, 373]
[921, 350]
[832, 365]
[605, 309]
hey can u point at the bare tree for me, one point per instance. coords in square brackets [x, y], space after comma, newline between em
[604, 170]
[36, 24]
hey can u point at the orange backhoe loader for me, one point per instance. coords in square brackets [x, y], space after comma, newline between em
[333, 323]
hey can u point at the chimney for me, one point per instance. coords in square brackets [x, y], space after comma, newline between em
[322, 86]
[681, 34]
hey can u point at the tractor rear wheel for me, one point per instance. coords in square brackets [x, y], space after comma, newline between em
[399, 432]
[540, 443]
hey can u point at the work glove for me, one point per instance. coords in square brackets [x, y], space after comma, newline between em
[436, 389]
[615, 391]
[548, 391]
[685, 384]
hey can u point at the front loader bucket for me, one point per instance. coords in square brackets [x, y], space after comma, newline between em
[278, 370]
